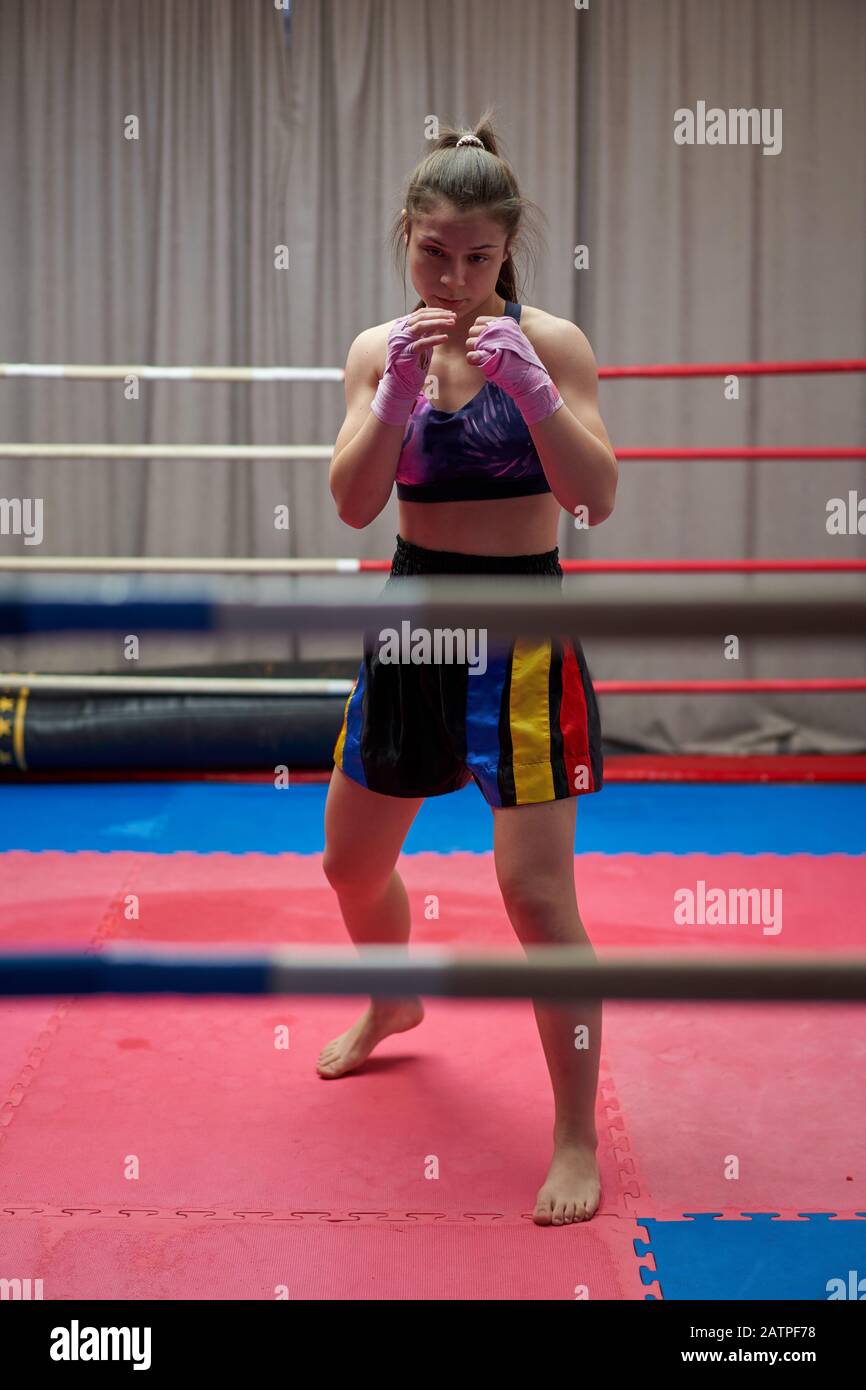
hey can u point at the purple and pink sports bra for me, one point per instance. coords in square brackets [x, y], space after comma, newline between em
[483, 450]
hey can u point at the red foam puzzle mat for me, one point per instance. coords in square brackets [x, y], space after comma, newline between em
[176, 1149]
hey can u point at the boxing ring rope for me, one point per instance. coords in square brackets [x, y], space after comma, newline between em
[502, 606]
[112, 371]
[547, 972]
[325, 451]
[167, 451]
[110, 684]
[692, 369]
[71, 371]
[495, 605]
[167, 564]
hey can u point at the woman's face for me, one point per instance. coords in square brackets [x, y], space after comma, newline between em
[454, 259]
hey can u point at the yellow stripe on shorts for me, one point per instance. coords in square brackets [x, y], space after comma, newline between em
[341, 740]
[529, 721]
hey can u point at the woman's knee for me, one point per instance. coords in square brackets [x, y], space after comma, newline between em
[364, 833]
[347, 872]
[542, 910]
[534, 888]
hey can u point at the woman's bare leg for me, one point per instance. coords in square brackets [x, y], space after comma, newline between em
[364, 833]
[534, 855]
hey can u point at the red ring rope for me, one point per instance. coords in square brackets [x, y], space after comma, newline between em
[789, 452]
[730, 687]
[843, 364]
[805, 566]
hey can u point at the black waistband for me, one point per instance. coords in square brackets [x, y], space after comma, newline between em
[412, 559]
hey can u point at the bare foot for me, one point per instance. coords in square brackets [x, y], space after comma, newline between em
[572, 1189]
[354, 1046]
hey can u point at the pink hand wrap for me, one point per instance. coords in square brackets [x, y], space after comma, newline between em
[405, 374]
[509, 360]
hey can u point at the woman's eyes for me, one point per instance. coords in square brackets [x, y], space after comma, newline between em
[434, 251]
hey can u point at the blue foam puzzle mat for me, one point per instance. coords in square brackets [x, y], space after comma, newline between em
[251, 817]
[762, 1257]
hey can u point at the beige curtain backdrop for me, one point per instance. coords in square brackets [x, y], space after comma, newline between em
[256, 129]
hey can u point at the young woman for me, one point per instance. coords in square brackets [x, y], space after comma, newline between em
[507, 434]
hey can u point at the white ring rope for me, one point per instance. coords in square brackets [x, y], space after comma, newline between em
[166, 451]
[176, 685]
[166, 564]
[75, 371]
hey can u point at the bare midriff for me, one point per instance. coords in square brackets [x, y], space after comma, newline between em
[507, 526]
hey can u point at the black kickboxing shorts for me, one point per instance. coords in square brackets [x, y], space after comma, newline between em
[526, 727]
